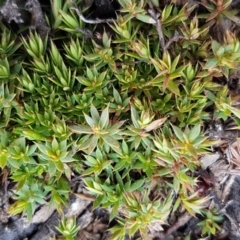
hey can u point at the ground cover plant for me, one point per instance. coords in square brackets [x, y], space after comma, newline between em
[121, 101]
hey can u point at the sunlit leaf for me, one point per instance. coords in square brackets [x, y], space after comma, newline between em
[81, 129]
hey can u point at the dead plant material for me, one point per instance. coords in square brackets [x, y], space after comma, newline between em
[90, 21]
[158, 25]
[233, 157]
[182, 220]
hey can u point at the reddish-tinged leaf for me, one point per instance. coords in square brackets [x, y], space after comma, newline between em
[165, 82]
[160, 162]
[155, 124]
[160, 74]
[212, 15]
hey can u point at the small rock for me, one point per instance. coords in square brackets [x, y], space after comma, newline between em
[207, 160]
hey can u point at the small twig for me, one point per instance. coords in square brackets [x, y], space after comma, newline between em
[175, 38]
[227, 188]
[85, 197]
[6, 194]
[158, 25]
[86, 32]
[119, 64]
[39, 22]
[90, 21]
[180, 222]
[155, 16]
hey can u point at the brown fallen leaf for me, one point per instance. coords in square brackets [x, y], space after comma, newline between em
[233, 153]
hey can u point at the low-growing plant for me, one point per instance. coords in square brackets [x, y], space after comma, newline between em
[27, 199]
[121, 107]
[219, 10]
[139, 213]
[99, 131]
[68, 228]
[210, 224]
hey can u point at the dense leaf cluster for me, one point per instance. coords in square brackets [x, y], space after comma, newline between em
[114, 106]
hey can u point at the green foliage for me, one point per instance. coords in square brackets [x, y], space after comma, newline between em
[117, 109]
[27, 199]
[68, 228]
[225, 57]
[139, 213]
[209, 224]
[99, 131]
[55, 155]
[218, 10]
